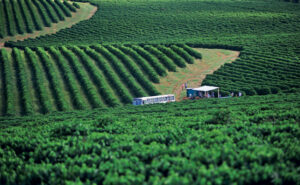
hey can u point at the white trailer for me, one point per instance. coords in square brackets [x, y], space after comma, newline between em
[154, 99]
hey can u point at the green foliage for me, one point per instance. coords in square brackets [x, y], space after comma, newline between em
[8, 84]
[23, 82]
[57, 9]
[11, 25]
[38, 81]
[122, 72]
[65, 9]
[163, 58]
[144, 65]
[69, 77]
[112, 77]
[43, 12]
[175, 143]
[171, 54]
[55, 82]
[25, 16]
[18, 17]
[191, 51]
[151, 59]
[50, 11]
[70, 6]
[134, 70]
[98, 79]
[185, 55]
[82, 77]
[268, 40]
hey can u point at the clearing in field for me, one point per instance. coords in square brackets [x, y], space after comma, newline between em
[194, 74]
[86, 11]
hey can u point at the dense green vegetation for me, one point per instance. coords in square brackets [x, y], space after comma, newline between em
[248, 140]
[25, 16]
[57, 124]
[266, 33]
[44, 80]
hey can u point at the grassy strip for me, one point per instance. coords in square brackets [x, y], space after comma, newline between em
[171, 54]
[159, 68]
[134, 70]
[10, 109]
[38, 81]
[22, 80]
[26, 16]
[121, 71]
[83, 78]
[144, 65]
[57, 10]
[55, 83]
[180, 51]
[113, 79]
[97, 78]
[69, 77]
[167, 62]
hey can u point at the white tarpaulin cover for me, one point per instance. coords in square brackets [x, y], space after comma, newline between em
[205, 88]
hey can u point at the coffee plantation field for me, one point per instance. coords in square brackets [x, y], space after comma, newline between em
[248, 140]
[25, 16]
[39, 80]
[65, 95]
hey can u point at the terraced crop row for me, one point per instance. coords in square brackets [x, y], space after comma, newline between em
[25, 16]
[254, 73]
[40, 80]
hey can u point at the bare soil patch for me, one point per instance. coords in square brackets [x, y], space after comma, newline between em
[195, 73]
[85, 12]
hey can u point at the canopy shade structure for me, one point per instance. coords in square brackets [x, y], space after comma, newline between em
[198, 91]
[205, 88]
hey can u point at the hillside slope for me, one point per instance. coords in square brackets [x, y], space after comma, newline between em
[248, 140]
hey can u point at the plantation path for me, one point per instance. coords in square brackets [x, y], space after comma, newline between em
[85, 12]
[194, 74]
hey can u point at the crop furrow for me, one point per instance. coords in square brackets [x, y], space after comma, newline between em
[134, 70]
[121, 71]
[144, 65]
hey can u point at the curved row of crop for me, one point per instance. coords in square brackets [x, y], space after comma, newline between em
[38, 80]
[55, 83]
[167, 62]
[25, 16]
[97, 78]
[159, 68]
[134, 70]
[135, 89]
[22, 80]
[8, 85]
[82, 77]
[144, 65]
[172, 55]
[67, 78]
[112, 77]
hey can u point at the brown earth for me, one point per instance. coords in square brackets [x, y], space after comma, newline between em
[194, 74]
